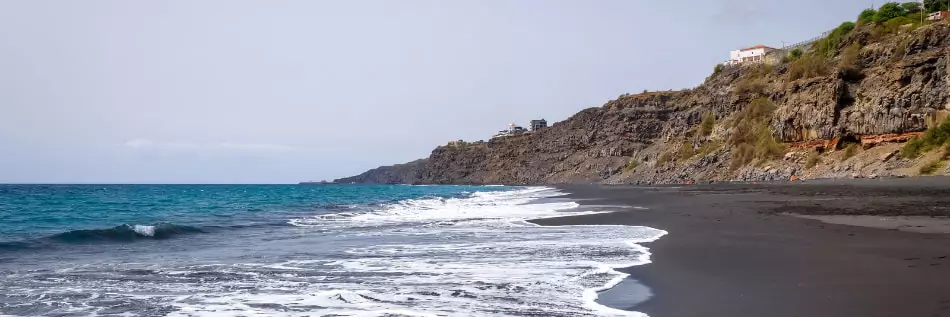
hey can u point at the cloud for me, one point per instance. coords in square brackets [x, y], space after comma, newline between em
[221, 147]
[256, 147]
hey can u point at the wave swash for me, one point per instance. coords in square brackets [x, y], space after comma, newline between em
[471, 256]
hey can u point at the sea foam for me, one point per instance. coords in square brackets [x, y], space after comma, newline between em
[469, 256]
[499, 249]
[148, 231]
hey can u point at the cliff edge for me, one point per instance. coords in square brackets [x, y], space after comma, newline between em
[841, 108]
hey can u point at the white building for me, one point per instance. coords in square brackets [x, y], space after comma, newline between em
[513, 129]
[755, 54]
[939, 15]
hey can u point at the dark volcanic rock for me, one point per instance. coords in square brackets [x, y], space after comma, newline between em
[903, 87]
[408, 173]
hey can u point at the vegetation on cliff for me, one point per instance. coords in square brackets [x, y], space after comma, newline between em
[934, 138]
[814, 158]
[936, 5]
[751, 138]
[884, 74]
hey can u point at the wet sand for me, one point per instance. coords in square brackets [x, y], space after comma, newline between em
[732, 250]
[921, 224]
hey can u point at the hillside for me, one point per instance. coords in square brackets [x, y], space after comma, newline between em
[839, 109]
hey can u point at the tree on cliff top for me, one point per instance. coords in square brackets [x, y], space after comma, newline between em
[867, 16]
[936, 5]
[911, 7]
[828, 46]
[889, 11]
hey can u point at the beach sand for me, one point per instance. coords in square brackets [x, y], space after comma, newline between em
[733, 250]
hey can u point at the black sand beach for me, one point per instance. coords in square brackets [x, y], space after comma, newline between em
[732, 250]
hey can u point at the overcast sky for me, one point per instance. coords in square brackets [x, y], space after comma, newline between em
[195, 91]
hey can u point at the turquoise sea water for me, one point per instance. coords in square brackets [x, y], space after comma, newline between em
[303, 250]
[38, 211]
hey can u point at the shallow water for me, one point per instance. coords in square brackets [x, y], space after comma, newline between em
[304, 251]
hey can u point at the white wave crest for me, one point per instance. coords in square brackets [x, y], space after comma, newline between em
[461, 257]
[512, 205]
[498, 247]
[148, 231]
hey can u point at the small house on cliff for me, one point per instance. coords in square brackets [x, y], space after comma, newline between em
[513, 129]
[938, 16]
[754, 54]
[538, 124]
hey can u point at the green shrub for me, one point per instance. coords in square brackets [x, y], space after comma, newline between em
[936, 5]
[912, 7]
[889, 11]
[686, 151]
[850, 65]
[718, 68]
[877, 33]
[762, 70]
[742, 155]
[664, 158]
[849, 151]
[765, 146]
[709, 147]
[900, 50]
[750, 86]
[912, 148]
[920, 17]
[751, 136]
[894, 25]
[809, 66]
[759, 110]
[828, 46]
[813, 159]
[938, 135]
[763, 149]
[795, 54]
[930, 168]
[934, 137]
[631, 164]
[708, 124]
[845, 27]
[867, 16]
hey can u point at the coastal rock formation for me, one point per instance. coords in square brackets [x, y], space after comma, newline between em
[894, 84]
[395, 174]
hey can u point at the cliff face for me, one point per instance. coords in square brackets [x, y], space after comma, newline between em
[894, 84]
[395, 174]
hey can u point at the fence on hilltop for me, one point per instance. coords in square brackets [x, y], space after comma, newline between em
[804, 45]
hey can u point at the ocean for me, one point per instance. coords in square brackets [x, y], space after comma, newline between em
[305, 250]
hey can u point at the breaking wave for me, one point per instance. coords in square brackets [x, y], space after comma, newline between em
[117, 234]
[126, 232]
[474, 255]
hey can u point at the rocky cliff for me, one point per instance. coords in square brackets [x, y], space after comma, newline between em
[754, 122]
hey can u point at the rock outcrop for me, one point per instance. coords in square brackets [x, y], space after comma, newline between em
[409, 173]
[900, 86]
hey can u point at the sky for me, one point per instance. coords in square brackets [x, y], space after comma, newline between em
[197, 91]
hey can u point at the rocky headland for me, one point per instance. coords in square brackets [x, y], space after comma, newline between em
[843, 108]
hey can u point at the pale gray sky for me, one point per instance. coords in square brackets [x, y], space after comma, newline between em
[194, 91]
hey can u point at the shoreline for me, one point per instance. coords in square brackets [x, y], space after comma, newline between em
[731, 251]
